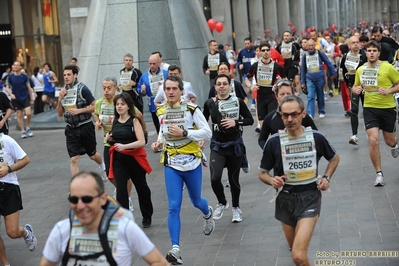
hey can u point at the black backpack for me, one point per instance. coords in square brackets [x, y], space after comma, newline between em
[109, 210]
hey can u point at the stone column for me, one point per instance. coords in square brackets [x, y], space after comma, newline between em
[270, 16]
[333, 13]
[393, 10]
[256, 22]
[283, 16]
[310, 13]
[240, 15]
[371, 11]
[359, 11]
[365, 11]
[221, 12]
[352, 19]
[297, 11]
[385, 10]
[378, 11]
[322, 15]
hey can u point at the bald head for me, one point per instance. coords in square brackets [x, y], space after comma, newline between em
[311, 45]
[154, 62]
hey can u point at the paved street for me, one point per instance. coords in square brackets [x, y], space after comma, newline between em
[355, 215]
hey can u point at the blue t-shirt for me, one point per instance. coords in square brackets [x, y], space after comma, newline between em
[19, 85]
[48, 86]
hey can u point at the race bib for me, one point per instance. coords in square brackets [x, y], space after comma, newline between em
[265, 74]
[176, 116]
[107, 116]
[69, 101]
[155, 82]
[125, 79]
[3, 154]
[229, 108]
[299, 157]
[351, 63]
[369, 77]
[312, 62]
[286, 50]
[213, 62]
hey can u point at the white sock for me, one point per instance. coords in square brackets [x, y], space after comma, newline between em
[102, 166]
[28, 234]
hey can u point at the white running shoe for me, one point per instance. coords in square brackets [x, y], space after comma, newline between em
[220, 208]
[379, 181]
[174, 256]
[236, 215]
[30, 238]
[209, 223]
[353, 140]
[395, 151]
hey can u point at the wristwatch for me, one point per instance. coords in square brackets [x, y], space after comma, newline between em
[185, 133]
[327, 177]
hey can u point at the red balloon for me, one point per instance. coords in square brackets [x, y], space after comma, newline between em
[219, 27]
[313, 28]
[289, 24]
[303, 32]
[267, 31]
[211, 23]
[364, 23]
[326, 33]
[293, 29]
[333, 27]
[309, 30]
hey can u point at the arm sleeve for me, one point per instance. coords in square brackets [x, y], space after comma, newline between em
[203, 132]
[240, 92]
[57, 241]
[137, 240]
[326, 61]
[97, 107]
[308, 122]
[205, 64]
[246, 116]
[212, 92]
[303, 69]
[206, 111]
[323, 146]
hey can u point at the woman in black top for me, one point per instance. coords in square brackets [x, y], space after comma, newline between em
[128, 158]
[273, 122]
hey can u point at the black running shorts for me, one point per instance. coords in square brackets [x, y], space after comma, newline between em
[384, 119]
[81, 140]
[10, 199]
[291, 207]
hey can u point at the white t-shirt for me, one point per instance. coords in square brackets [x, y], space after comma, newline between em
[38, 81]
[12, 153]
[188, 93]
[130, 239]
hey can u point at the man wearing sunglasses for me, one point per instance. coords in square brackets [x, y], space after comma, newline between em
[265, 73]
[88, 200]
[293, 154]
[12, 159]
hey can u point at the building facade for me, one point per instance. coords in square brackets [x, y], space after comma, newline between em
[39, 31]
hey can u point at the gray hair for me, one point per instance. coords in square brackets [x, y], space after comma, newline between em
[293, 98]
[128, 55]
[113, 79]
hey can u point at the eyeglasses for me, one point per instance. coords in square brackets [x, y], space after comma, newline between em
[223, 83]
[84, 199]
[265, 50]
[293, 114]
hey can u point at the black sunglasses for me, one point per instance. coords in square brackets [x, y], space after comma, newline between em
[85, 199]
[265, 50]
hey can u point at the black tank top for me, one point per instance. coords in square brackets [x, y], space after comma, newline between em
[124, 132]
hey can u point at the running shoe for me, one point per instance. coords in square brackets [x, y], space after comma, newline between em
[322, 115]
[23, 135]
[331, 93]
[395, 151]
[209, 223]
[257, 129]
[174, 256]
[246, 169]
[227, 184]
[379, 181]
[237, 215]
[104, 175]
[30, 238]
[253, 107]
[218, 213]
[353, 140]
[29, 132]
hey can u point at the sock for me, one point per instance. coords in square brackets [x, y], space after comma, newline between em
[28, 234]
[206, 217]
[379, 172]
[396, 146]
[176, 246]
[102, 166]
